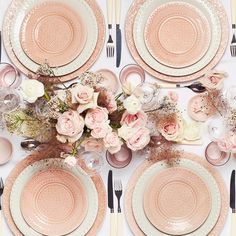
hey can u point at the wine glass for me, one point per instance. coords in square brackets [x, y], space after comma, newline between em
[9, 100]
[148, 95]
[91, 162]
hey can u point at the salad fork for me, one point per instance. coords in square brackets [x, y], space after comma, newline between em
[1, 218]
[110, 44]
[233, 21]
[118, 193]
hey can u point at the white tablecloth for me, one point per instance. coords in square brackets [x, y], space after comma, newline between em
[227, 64]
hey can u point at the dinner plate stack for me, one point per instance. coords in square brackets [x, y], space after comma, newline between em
[68, 35]
[177, 41]
[179, 197]
[45, 196]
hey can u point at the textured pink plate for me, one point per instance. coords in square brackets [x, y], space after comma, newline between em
[177, 34]
[13, 9]
[177, 201]
[218, 9]
[199, 109]
[54, 202]
[53, 32]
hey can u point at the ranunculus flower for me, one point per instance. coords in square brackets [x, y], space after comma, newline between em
[139, 140]
[213, 80]
[132, 104]
[70, 126]
[107, 99]
[31, 90]
[172, 129]
[91, 144]
[112, 142]
[135, 121]
[81, 94]
[96, 117]
[101, 130]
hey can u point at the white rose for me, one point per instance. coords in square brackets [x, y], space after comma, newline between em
[132, 105]
[31, 90]
[126, 132]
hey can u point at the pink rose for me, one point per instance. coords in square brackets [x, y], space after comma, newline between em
[134, 121]
[139, 140]
[81, 94]
[172, 130]
[70, 126]
[225, 144]
[96, 117]
[112, 142]
[93, 145]
[101, 131]
[107, 99]
[70, 160]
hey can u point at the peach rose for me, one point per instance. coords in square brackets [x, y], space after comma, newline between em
[93, 145]
[70, 160]
[172, 130]
[134, 121]
[112, 142]
[139, 140]
[81, 94]
[96, 117]
[70, 126]
[101, 130]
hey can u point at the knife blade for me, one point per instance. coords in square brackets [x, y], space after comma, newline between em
[118, 34]
[232, 191]
[118, 45]
[110, 191]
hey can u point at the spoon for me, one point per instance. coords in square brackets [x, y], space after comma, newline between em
[196, 87]
[30, 144]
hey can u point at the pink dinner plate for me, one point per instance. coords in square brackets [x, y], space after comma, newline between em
[177, 34]
[177, 201]
[54, 32]
[54, 202]
[200, 109]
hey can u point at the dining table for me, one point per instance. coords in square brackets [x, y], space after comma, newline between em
[227, 64]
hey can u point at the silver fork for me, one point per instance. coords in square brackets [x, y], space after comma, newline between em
[110, 47]
[233, 21]
[1, 218]
[120, 217]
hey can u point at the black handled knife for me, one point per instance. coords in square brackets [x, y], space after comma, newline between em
[232, 191]
[110, 191]
[118, 33]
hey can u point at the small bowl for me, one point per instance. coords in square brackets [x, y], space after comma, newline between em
[132, 69]
[111, 81]
[9, 76]
[120, 159]
[215, 156]
[6, 150]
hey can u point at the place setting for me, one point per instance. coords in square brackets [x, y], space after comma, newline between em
[117, 118]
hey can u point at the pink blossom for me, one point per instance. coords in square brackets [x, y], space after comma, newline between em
[134, 121]
[93, 145]
[100, 131]
[70, 126]
[96, 117]
[173, 96]
[112, 142]
[139, 140]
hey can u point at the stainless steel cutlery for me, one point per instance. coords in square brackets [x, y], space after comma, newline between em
[118, 33]
[1, 217]
[233, 22]
[232, 203]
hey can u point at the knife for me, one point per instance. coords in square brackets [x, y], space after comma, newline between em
[111, 204]
[232, 203]
[118, 34]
